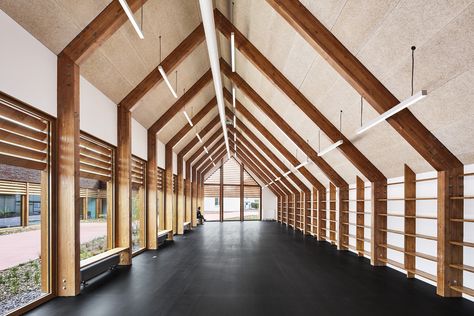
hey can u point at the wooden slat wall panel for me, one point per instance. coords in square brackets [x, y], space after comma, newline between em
[138, 171]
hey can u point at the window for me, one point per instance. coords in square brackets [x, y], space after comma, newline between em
[25, 182]
[235, 179]
[97, 196]
[138, 204]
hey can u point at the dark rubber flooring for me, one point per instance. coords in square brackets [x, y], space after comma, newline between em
[254, 268]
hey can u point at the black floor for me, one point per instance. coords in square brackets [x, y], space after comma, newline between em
[254, 268]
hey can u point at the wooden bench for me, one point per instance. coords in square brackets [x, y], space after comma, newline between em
[186, 226]
[92, 267]
[164, 235]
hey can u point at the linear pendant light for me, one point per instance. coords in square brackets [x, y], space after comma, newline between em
[301, 165]
[199, 137]
[205, 149]
[330, 148]
[165, 77]
[187, 117]
[399, 107]
[232, 50]
[130, 16]
[233, 97]
[207, 13]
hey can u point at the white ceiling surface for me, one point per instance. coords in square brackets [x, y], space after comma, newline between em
[378, 32]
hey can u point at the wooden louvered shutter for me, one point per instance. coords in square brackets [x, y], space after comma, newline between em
[24, 137]
[159, 179]
[138, 171]
[96, 159]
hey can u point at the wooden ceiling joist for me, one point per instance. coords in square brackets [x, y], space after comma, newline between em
[195, 120]
[183, 50]
[365, 83]
[182, 101]
[99, 30]
[206, 144]
[202, 133]
[279, 80]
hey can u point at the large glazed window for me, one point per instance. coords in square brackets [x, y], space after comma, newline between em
[97, 197]
[25, 182]
[138, 204]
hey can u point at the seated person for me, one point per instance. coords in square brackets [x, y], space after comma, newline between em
[199, 215]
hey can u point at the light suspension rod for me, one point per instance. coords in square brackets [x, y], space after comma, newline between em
[130, 16]
[165, 78]
[187, 117]
[207, 13]
[399, 107]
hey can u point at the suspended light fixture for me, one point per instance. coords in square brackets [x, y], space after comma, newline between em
[286, 174]
[235, 121]
[130, 16]
[187, 117]
[210, 158]
[165, 78]
[336, 144]
[301, 165]
[277, 179]
[213, 163]
[207, 13]
[402, 105]
[205, 149]
[232, 50]
[199, 137]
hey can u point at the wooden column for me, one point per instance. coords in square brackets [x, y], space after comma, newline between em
[242, 195]
[168, 187]
[450, 206]
[123, 216]
[85, 205]
[343, 238]
[314, 212]
[360, 217]
[68, 280]
[332, 213]
[410, 221]
[141, 211]
[110, 217]
[180, 197]
[188, 212]
[308, 213]
[25, 206]
[322, 202]
[379, 223]
[221, 194]
[45, 232]
[151, 194]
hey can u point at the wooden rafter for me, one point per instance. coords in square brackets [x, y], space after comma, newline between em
[182, 101]
[99, 30]
[365, 83]
[245, 145]
[264, 165]
[183, 50]
[196, 119]
[275, 76]
[272, 139]
[282, 124]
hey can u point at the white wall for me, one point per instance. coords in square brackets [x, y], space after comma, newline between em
[269, 204]
[28, 72]
[98, 115]
[139, 140]
[160, 154]
[25, 62]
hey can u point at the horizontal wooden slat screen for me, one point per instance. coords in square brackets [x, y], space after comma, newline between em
[211, 190]
[251, 192]
[96, 159]
[93, 193]
[231, 172]
[248, 179]
[214, 178]
[159, 178]
[138, 171]
[24, 140]
[232, 191]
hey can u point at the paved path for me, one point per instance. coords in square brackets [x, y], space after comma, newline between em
[23, 247]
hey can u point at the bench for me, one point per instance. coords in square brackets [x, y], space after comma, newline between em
[164, 235]
[186, 226]
[92, 267]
